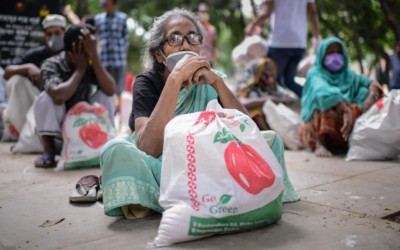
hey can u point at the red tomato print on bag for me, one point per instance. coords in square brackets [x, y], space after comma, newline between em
[206, 117]
[13, 130]
[92, 135]
[245, 165]
[248, 168]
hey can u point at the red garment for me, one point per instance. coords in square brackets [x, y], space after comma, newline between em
[129, 81]
[207, 50]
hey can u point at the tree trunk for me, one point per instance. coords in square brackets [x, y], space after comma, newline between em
[242, 21]
[393, 23]
[356, 39]
[253, 6]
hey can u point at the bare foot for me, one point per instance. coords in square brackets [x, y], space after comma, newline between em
[321, 151]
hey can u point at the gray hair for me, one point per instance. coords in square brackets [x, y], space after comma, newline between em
[157, 35]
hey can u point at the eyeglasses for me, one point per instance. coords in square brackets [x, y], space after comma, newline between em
[177, 39]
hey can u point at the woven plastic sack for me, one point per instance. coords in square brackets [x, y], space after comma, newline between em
[376, 134]
[285, 122]
[10, 133]
[218, 176]
[86, 129]
[29, 139]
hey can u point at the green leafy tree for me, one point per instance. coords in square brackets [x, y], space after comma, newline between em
[369, 28]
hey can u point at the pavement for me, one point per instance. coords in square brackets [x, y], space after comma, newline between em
[342, 206]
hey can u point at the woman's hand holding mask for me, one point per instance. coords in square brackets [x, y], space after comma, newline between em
[186, 70]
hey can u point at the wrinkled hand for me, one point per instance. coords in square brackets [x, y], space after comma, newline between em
[89, 43]
[78, 56]
[205, 75]
[347, 123]
[34, 74]
[186, 70]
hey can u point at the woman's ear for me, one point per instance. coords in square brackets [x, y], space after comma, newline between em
[158, 55]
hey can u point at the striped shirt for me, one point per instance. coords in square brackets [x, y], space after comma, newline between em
[114, 39]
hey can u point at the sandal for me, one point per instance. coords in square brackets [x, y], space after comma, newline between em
[85, 189]
[45, 161]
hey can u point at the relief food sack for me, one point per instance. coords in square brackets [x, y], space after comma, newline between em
[218, 176]
[86, 129]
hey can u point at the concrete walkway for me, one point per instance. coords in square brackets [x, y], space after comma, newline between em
[341, 208]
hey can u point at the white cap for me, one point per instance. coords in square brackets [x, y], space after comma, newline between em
[54, 20]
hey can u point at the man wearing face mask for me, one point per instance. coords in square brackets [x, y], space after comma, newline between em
[208, 49]
[23, 76]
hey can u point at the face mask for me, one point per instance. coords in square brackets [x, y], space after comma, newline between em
[174, 58]
[334, 62]
[56, 43]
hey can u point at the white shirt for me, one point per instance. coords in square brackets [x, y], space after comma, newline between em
[289, 24]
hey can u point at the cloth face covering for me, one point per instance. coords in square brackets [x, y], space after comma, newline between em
[174, 58]
[56, 43]
[334, 62]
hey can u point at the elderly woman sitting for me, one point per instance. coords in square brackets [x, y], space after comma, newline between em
[131, 166]
[333, 97]
[258, 86]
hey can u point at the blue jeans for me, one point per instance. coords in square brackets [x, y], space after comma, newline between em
[287, 61]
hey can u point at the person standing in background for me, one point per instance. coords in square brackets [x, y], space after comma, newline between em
[395, 66]
[113, 35]
[210, 40]
[288, 35]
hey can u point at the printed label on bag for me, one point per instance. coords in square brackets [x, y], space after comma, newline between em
[250, 220]
[220, 207]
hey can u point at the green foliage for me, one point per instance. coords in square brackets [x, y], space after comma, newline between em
[360, 23]
[367, 30]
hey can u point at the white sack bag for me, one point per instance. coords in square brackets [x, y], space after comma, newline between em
[218, 176]
[285, 122]
[376, 133]
[29, 139]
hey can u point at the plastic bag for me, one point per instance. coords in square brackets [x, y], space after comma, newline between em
[285, 122]
[218, 176]
[376, 134]
[29, 140]
[250, 48]
[86, 129]
[10, 133]
[305, 65]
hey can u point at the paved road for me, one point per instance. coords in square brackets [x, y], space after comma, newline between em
[341, 208]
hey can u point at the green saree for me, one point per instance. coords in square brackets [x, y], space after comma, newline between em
[131, 176]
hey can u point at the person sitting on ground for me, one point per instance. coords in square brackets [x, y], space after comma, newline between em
[258, 86]
[333, 97]
[67, 80]
[23, 75]
[131, 166]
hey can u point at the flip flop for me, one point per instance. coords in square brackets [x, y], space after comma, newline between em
[85, 189]
[45, 161]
